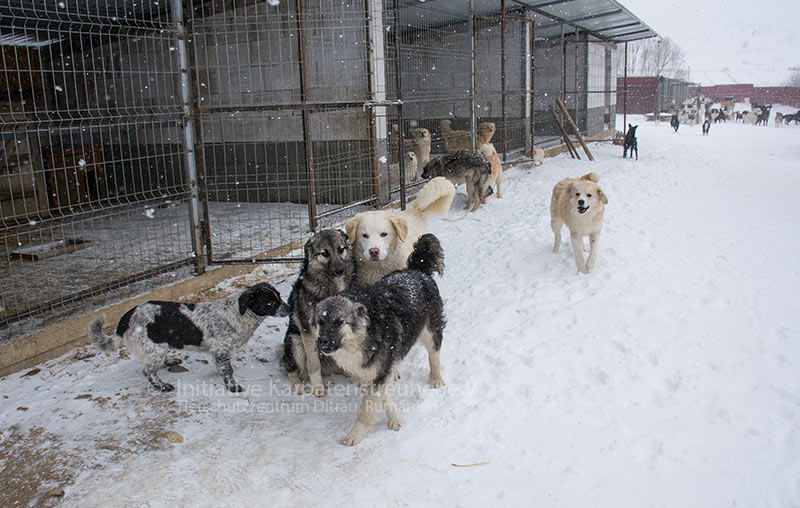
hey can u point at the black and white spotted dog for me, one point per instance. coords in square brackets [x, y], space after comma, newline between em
[220, 327]
[328, 269]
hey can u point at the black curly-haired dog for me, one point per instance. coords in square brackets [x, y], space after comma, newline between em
[631, 143]
[369, 330]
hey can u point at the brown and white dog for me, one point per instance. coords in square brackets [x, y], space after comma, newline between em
[383, 239]
[580, 204]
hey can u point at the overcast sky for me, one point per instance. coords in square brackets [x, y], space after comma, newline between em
[729, 41]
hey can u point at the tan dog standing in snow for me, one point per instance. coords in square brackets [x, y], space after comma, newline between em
[488, 150]
[580, 204]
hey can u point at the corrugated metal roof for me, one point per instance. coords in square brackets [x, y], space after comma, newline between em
[605, 19]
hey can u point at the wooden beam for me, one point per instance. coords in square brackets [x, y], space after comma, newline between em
[574, 128]
[572, 152]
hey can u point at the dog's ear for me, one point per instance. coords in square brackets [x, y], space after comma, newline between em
[245, 299]
[603, 197]
[344, 235]
[361, 312]
[307, 248]
[351, 228]
[400, 227]
[570, 188]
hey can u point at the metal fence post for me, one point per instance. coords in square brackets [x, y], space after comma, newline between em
[473, 84]
[307, 135]
[187, 125]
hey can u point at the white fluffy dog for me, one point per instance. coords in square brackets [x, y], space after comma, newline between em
[580, 204]
[383, 239]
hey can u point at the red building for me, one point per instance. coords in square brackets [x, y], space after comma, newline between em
[737, 93]
[786, 95]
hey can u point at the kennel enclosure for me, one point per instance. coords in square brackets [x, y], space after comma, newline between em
[145, 140]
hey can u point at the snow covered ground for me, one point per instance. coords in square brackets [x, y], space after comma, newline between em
[669, 376]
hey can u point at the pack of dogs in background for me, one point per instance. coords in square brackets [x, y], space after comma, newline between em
[459, 165]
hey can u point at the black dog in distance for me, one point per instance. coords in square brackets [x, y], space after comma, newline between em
[675, 122]
[630, 142]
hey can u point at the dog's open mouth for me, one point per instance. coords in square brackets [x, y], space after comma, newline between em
[327, 351]
[582, 209]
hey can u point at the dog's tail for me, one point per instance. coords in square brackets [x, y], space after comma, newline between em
[100, 339]
[435, 197]
[592, 177]
[427, 256]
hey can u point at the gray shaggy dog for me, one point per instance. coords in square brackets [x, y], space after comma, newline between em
[463, 166]
[328, 269]
[367, 331]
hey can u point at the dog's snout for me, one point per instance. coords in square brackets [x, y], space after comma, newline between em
[374, 251]
[340, 271]
[581, 202]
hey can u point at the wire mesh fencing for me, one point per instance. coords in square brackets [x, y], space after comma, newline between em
[141, 137]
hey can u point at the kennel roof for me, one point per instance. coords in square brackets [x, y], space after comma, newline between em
[605, 19]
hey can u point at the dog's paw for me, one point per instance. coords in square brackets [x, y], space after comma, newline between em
[395, 423]
[435, 382]
[348, 441]
[318, 390]
[298, 388]
[355, 435]
[164, 387]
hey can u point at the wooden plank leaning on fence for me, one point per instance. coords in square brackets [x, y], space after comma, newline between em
[574, 128]
[571, 149]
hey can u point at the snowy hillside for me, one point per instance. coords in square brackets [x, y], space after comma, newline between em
[669, 376]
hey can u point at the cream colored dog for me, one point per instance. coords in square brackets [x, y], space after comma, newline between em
[580, 204]
[383, 239]
[538, 156]
[455, 140]
[420, 144]
[410, 165]
[488, 150]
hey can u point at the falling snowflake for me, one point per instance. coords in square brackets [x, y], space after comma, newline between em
[150, 213]
[82, 163]
[383, 159]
